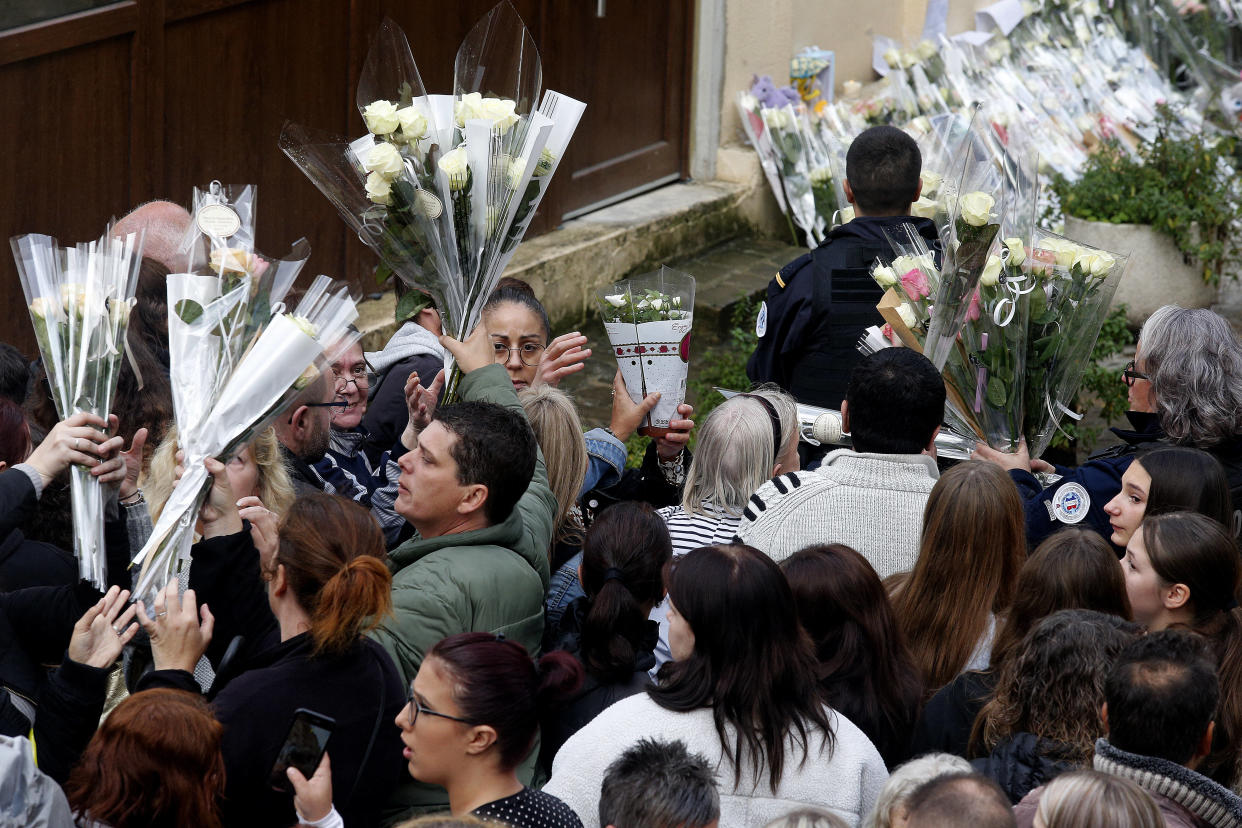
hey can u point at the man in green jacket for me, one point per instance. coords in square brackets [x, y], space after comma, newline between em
[476, 491]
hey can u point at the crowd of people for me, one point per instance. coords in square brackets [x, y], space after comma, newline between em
[401, 611]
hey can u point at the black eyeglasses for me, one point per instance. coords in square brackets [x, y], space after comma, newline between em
[333, 404]
[419, 707]
[359, 375]
[1131, 376]
[529, 353]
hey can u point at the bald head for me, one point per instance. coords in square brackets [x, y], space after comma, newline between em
[164, 224]
[960, 799]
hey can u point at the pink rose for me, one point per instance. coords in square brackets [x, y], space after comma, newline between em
[915, 284]
[972, 312]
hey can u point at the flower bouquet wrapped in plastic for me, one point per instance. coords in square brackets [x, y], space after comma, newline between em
[443, 187]
[79, 300]
[781, 136]
[236, 359]
[648, 320]
[1074, 288]
[975, 193]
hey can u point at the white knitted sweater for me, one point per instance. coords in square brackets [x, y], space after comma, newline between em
[872, 503]
[847, 783]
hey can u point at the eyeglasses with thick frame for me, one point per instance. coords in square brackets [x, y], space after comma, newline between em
[1131, 376]
[529, 352]
[419, 707]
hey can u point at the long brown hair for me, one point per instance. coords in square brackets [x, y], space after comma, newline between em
[1074, 568]
[752, 665]
[333, 554]
[1195, 550]
[865, 667]
[974, 542]
[154, 762]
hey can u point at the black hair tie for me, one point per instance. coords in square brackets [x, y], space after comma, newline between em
[776, 423]
[613, 574]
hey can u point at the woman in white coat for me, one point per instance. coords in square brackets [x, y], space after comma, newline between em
[742, 692]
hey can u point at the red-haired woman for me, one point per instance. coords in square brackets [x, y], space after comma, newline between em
[304, 647]
[471, 719]
[154, 763]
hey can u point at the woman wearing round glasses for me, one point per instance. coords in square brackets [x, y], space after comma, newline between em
[1184, 388]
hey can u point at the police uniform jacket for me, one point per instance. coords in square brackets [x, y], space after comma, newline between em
[819, 305]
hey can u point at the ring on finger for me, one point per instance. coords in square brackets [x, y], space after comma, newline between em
[116, 629]
[77, 441]
[161, 614]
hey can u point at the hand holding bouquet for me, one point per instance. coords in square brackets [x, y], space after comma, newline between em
[79, 300]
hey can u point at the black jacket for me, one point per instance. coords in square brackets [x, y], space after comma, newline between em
[948, 718]
[595, 694]
[1023, 762]
[387, 415]
[818, 306]
[360, 689]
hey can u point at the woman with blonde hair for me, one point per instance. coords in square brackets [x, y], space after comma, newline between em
[973, 545]
[554, 419]
[1090, 799]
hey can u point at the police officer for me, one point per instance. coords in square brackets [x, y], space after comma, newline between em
[819, 305]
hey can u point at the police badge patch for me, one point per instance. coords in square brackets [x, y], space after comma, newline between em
[761, 321]
[1070, 503]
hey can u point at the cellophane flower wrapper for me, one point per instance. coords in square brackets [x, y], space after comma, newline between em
[1075, 284]
[79, 300]
[254, 386]
[648, 319]
[975, 193]
[443, 187]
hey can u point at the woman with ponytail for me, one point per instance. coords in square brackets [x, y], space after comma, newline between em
[471, 718]
[1182, 570]
[608, 630]
[290, 604]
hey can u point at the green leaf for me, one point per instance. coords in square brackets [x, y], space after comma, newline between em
[411, 305]
[997, 395]
[189, 311]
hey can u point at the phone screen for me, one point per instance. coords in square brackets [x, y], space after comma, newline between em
[303, 747]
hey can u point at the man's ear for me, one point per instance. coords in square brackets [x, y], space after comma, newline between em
[3, 465]
[849, 191]
[1104, 716]
[845, 416]
[481, 737]
[473, 499]
[930, 448]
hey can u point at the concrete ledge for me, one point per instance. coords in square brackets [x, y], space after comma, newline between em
[567, 265]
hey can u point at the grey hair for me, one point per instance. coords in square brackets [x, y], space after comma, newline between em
[808, 818]
[734, 453]
[908, 778]
[1091, 799]
[659, 783]
[1194, 362]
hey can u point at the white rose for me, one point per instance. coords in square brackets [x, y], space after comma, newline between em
[976, 208]
[657, 304]
[379, 188]
[500, 111]
[748, 102]
[884, 276]
[456, 167]
[908, 58]
[617, 300]
[231, 259]
[514, 173]
[381, 117]
[893, 58]
[926, 49]
[1017, 253]
[931, 181]
[991, 272]
[384, 159]
[776, 118]
[304, 325]
[924, 208]
[1103, 265]
[908, 317]
[1065, 251]
[413, 123]
[465, 107]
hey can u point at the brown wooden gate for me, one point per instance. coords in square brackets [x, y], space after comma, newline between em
[113, 105]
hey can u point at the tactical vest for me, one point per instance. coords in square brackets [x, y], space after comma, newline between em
[844, 297]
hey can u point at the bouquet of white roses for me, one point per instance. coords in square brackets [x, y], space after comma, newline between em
[237, 358]
[782, 137]
[443, 187]
[79, 300]
[975, 195]
[648, 319]
[1074, 286]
